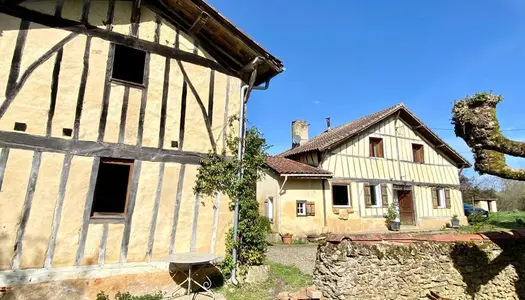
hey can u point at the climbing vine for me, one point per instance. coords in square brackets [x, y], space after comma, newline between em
[219, 173]
[474, 119]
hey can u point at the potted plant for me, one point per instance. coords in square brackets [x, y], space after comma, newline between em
[392, 218]
[287, 238]
[454, 222]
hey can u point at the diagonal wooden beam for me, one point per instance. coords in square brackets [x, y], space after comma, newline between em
[201, 105]
[42, 59]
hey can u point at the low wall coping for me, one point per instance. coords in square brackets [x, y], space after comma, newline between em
[424, 237]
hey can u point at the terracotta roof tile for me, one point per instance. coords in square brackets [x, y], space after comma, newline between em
[334, 135]
[338, 134]
[287, 166]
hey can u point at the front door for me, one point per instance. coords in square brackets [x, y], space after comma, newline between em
[406, 209]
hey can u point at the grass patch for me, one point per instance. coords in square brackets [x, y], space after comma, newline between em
[499, 221]
[282, 278]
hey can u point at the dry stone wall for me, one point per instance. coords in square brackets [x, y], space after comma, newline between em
[478, 266]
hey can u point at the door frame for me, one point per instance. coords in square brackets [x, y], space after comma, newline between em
[396, 188]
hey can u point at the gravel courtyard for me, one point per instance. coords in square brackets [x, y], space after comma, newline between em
[301, 256]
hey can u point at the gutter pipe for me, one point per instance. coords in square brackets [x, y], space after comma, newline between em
[245, 95]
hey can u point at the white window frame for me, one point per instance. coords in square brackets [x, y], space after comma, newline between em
[442, 203]
[347, 192]
[300, 205]
[378, 198]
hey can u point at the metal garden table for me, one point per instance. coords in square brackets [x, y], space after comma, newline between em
[191, 259]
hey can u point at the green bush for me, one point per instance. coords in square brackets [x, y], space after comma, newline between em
[477, 217]
[127, 296]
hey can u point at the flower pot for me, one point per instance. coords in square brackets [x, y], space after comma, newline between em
[394, 226]
[454, 223]
[287, 239]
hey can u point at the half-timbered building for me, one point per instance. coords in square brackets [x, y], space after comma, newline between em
[344, 179]
[106, 108]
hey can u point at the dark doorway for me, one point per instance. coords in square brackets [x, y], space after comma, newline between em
[406, 207]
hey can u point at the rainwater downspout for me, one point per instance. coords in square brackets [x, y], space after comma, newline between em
[279, 206]
[245, 95]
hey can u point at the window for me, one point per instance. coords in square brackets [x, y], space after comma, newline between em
[376, 195]
[340, 195]
[112, 187]
[128, 64]
[441, 198]
[301, 208]
[376, 147]
[417, 153]
[268, 208]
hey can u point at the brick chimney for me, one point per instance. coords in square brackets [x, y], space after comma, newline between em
[299, 132]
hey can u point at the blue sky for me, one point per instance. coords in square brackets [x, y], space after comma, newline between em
[346, 59]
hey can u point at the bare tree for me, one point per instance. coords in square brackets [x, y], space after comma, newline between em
[475, 121]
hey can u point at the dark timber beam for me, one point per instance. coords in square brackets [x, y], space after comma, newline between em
[129, 41]
[89, 148]
[199, 23]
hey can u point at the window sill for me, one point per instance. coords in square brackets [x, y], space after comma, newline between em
[375, 206]
[112, 219]
[127, 83]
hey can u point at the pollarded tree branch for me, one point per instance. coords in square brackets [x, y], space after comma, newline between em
[475, 121]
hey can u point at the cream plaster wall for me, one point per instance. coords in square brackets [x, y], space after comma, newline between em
[32, 104]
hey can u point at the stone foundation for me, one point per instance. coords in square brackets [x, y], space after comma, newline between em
[401, 266]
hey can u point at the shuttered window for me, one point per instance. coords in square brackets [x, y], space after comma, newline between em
[376, 147]
[417, 153]
[341, 195]
[441, 198]
[310, 208]
[376, 195]
[300, 208]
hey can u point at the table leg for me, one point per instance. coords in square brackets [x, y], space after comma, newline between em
[189, 281]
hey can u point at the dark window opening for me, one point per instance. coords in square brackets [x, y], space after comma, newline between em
[417, 153]
[340, 195]
[112, 187]
[376, 147]
[128, 64]
[374, 195]
[20, 126]
[67, 131]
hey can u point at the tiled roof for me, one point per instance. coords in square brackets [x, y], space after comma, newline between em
[287, 166]
[326, 139]
[338, 134]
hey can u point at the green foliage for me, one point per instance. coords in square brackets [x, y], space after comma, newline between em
[477, 217]
[391, 213]
[219, 173]
[127, 296]
[282, 278]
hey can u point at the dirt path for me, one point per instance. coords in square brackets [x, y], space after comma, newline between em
[301, 256]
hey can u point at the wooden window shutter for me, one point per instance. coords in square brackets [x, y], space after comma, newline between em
[379, 151]
[447, 198]
[310, 208]
[371, 148]
[435, 201]
[368, 197]
[421, 154]
[384, 194]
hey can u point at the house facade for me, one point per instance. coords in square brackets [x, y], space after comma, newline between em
[106, 109]
[344, 179]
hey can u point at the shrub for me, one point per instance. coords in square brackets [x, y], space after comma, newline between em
[127, 296]
[477, 217]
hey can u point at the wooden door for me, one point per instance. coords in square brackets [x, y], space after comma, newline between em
[406, 209]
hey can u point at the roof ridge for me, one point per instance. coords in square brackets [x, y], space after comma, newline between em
[342, 126]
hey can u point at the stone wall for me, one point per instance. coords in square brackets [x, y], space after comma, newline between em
[400, 266]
